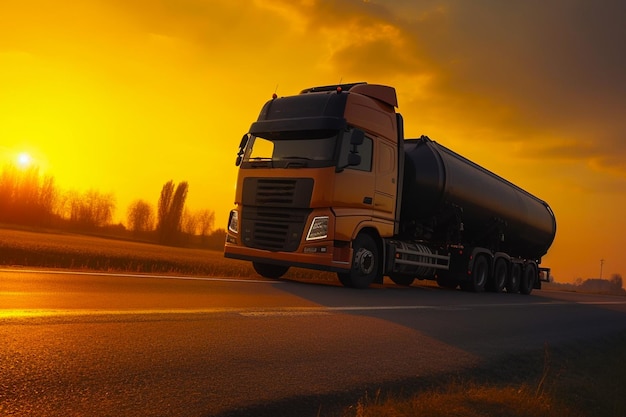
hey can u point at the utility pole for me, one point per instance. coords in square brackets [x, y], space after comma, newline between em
[601, 265]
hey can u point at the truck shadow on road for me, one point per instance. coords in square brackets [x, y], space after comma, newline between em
[482, 324]
[410, 338]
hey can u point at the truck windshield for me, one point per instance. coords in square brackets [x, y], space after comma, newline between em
[301, 151]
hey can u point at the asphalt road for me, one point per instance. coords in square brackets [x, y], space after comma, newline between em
[108, 345]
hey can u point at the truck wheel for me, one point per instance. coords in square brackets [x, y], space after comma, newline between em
[528, 279]
[345, 279]
[269, 270]
[365, 261]
[480, 273]
[403, 280]
[447, 280]
[513, 281]
[498, 278]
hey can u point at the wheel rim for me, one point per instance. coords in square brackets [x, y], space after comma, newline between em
[499, 275]
[364, 261]
[514, 279]
[480, 274]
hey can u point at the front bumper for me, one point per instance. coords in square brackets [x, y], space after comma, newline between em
[323, 256]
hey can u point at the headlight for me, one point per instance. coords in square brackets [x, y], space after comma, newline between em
[318, 229]
[233, 221]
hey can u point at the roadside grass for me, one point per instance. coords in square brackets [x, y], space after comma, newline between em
[79, 252]
[586, 379]
[461, 399]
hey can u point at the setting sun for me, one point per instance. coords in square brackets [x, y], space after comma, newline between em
[24, 160]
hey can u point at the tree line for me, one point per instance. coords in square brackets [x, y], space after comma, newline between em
[613, 285]
[31, 199]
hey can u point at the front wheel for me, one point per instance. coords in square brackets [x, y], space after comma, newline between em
[270, 270]
[365, 263]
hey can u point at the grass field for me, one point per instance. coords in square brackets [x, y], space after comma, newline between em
[582, 380]
[80, 252]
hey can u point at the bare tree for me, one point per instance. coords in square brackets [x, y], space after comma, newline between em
[8, 183]
[206, 220]
[189, 222]
[48, 195]
[24, 198]
[165, 201]
[26, 193]
[171, 207]
[100, 207]
[178, 204]
[91, 209]
[140, 216]
[64, 203]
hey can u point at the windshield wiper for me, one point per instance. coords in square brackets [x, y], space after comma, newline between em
[260, 162]
[296, 161]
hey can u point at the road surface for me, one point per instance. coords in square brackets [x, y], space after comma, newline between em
[75, 344]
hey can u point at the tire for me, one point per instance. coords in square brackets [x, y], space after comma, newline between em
[447, 280]
[514, 278]
[480, 273]
[345, 279]
[270, 270]
[528, 278]
[498, 278]
[365, 263]
[402, 280]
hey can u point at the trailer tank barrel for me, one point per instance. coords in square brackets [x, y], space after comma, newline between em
[436, 178]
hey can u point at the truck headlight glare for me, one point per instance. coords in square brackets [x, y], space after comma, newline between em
[318, 229]
[233, 221]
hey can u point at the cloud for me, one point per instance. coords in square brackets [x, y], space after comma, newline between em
[550, 70]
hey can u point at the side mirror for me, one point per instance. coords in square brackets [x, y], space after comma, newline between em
[242, 147]
[357, 137]
[354, 159]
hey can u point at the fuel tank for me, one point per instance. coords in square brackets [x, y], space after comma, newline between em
[440, 185]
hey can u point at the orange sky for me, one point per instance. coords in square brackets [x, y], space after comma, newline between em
[125, 95]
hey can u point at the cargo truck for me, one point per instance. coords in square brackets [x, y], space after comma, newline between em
[327, 181]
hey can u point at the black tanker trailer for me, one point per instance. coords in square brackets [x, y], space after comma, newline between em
[447, 192]
[463, 220]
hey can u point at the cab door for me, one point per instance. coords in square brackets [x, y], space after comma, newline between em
[385, 165]
[355, 185]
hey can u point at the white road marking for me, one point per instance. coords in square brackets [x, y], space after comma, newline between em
[30, 313]
[273, 312]
[601, 303]
[127, 275]
[283, 313]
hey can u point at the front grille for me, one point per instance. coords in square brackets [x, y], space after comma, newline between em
[272, 192]
[278, 192]
[276, 229]
[275, 211]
